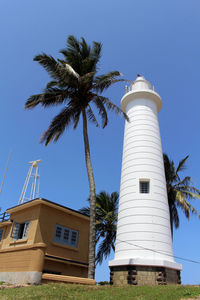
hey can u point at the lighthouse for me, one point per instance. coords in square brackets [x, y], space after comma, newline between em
[144, 251]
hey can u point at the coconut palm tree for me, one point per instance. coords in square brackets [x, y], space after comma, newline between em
[106, 215]
[77, 87]
[180, 191]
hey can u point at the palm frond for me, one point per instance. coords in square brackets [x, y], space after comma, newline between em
[182, 203]
[170, 172]
[103, 82]
[85, 81]
[190, 195]
[84, 49]
[111, 106]
[85, 210]
[195, 190]
[63, 75]
[105, 247]
[33, 101]
[76, 119]
[101, 110]
[91, 116]
[90, 63]
[184, 182]
[96, 52]
[72, 54]
[192, 209]
[175, 216]
[50, 64]
[58, 125]
[106, 214]
[182, 164]
[73, 44]
[180, 191]
[52, 97]
[51, 84]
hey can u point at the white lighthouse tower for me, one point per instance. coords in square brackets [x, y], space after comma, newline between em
[143, 253]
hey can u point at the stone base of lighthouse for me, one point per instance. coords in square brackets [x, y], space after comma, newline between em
[143, 275]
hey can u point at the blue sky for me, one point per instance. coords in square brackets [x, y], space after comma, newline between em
[158, 39]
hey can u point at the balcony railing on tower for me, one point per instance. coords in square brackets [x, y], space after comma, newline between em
[135, 86]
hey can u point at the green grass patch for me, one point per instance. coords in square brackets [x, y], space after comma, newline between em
[81, 292]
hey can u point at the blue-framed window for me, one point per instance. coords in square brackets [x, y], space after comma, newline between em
[66, 236]
[1, 234]
[20, 230]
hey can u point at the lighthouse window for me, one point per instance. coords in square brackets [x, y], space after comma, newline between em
[144, 187]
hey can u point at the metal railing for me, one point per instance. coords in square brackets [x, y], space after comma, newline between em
[131, 87]
[4, 217]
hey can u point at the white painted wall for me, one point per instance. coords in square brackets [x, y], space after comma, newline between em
[143, 219]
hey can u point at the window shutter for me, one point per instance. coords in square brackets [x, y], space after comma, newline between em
[66, 236]
[74, 236]
[26, 228]
[15, 230]
[1, 234]
[58, 232]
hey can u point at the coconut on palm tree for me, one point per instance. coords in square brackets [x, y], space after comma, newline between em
[180, 192]
[106, 216]
[78, 88]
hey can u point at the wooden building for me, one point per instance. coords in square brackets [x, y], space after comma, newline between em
[41, 237]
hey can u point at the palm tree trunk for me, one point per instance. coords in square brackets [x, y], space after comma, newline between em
[92, 241]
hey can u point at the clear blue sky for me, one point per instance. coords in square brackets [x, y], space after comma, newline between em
[158, 39]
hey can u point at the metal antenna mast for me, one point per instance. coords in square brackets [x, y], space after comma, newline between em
[5, 171]
[34, 190]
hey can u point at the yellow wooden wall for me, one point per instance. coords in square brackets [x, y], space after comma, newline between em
[29, 254]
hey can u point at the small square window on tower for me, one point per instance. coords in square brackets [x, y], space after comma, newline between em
[144, 186]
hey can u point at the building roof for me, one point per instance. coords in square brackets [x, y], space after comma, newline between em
[49, 203]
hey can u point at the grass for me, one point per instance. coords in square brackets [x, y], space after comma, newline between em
[80, 292]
